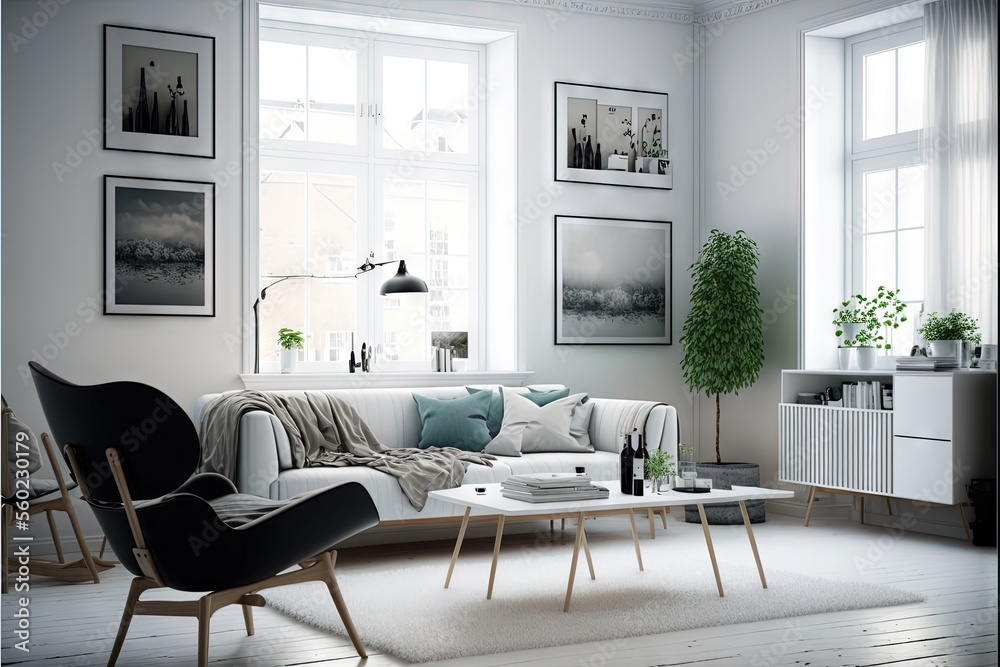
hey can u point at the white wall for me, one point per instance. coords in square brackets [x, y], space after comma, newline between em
[52, 243]
[751, 115]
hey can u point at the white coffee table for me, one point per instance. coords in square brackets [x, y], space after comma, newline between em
[491, 503]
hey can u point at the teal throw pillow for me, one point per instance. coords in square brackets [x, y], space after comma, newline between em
[543, 398]
[457, 422]
[494, 416]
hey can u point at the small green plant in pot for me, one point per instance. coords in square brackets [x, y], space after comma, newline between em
[723, 341]
[951, 335]
[863, 322]
[660, 469]
[290, 342]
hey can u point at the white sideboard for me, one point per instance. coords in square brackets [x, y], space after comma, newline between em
[940, 434]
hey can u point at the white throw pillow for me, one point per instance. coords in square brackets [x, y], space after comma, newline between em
[528, 428]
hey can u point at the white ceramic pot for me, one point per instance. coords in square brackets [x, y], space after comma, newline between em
[845, 355]
[287, 360]
[851, 329]
[866, 358]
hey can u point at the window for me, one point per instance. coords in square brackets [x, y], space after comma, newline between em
[338, 345]
[886, 188]
[368, 144]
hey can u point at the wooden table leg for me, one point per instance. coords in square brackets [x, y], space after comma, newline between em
[458, 546]
[635, 539]
[711, 549]
[663, 515]
[576, 557]
[809, 505]
[496, 554]
[753, 542]
[652, 524]
[586, 552]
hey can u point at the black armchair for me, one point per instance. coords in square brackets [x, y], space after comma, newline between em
[133, 452]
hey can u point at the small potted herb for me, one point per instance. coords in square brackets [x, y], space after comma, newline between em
[660, 469]
[290, 341]
[862, 320]
[952, 335]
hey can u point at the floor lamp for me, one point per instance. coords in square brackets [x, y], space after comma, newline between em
[401, 283]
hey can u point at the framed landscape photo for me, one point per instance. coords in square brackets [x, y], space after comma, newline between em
[159, 91]
[159, 247]
[612, 136]
[613, 281]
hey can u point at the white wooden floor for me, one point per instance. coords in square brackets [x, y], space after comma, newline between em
[74, 624]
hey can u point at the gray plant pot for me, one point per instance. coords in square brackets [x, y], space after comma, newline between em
[723, 476]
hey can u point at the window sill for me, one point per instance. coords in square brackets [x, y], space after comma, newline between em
[286, 381]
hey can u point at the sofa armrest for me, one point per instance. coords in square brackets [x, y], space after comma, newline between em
[257, 461]
[661, 426]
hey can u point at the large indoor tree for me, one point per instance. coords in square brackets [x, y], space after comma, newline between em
[723, 335]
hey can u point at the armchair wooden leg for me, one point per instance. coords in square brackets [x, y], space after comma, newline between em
[248, 619]
[338, 599]
[88, 558]
[55, 536]
[138, 587]
[204, 628]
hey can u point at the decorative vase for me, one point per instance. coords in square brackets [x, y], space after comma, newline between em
[867, 357]
[845, 357]
[588, 155]
[724, 476]
[577, 152]
[185, 125]
[597, 158]
[154, 117]
[142, 112]
[288, 359]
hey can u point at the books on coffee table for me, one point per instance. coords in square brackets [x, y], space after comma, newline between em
[551, 487]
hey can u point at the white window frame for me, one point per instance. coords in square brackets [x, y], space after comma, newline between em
[865, 156]
[286, 155]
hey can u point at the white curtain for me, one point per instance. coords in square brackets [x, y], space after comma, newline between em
[960, 150]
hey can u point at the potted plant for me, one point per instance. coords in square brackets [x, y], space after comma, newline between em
[723, 341]
[290, 342]
[951, 335]
[660, 468]
[862, 320]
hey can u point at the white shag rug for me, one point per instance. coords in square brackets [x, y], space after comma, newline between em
[409, 614]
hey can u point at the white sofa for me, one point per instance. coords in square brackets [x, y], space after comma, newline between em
[264, 461]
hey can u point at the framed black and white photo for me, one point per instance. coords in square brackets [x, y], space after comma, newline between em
[613, 281]
[159, 247]
[159, 91]
[611, 136]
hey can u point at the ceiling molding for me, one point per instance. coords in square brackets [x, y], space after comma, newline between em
[654, 11]
[730, 10]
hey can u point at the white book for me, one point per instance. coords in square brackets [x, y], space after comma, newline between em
[551, 479]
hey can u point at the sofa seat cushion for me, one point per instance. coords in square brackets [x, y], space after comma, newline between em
[384, 489]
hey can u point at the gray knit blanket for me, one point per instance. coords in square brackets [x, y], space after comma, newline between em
[324, 430]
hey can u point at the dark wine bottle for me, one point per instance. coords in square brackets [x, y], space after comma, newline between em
[170, 124]
[588, 155]
[154, 116]
[638, 463]
[597, 158]
[142, 112]
[625, 459]
[185, 125]
[577, 152]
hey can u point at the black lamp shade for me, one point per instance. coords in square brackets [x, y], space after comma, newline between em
[402, 282]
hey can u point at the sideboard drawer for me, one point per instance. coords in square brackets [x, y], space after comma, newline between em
[923, 470]
[922, 406]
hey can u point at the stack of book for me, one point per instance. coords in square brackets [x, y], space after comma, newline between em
[922, 363]
[873, 395]
[550, 487]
